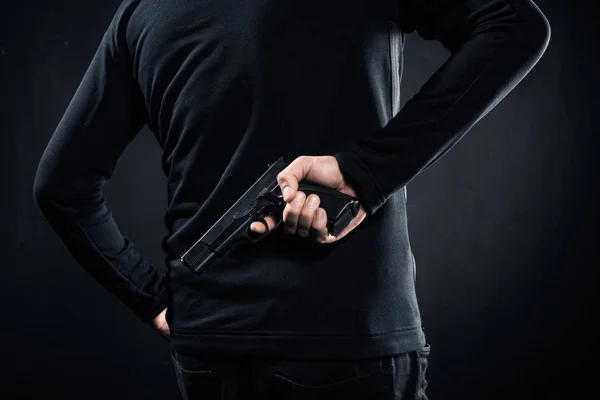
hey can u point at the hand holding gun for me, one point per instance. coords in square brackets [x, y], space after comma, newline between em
[265, 203]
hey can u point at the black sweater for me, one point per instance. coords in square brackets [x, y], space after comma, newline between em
[227, 87]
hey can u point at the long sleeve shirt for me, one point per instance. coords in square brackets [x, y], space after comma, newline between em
[227, 87]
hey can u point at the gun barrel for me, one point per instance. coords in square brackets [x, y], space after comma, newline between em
[225, 233]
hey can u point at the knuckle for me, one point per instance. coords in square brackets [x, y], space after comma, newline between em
[299, 199]
[319, 230]
[302, 232]
[313, 201]
[303, 223]
[307, 215]
[290, 221]
[289, 227]
[321, 239]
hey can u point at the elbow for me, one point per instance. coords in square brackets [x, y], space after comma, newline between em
[42, 188]
[52, 189]
[533, 31]
[46, 187]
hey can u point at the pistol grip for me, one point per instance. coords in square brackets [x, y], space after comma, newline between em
[340, 207]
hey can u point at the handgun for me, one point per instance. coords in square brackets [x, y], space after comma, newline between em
[263, 198]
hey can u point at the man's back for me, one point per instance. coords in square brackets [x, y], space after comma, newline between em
[228, 87]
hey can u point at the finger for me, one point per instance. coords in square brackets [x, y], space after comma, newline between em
[319, 231]
[295, 172]
[259, 227]
[291, 213]
[307, 215]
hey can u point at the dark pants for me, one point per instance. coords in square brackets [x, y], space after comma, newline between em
[397, 377]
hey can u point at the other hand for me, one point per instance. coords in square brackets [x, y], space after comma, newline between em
[159, 323]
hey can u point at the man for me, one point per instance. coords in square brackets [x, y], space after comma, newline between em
[227, 87]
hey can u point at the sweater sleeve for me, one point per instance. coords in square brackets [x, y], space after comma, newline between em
[103, 117]
[493, 45]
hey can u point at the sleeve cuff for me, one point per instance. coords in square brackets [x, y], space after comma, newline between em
[361, 179]
[149, 313]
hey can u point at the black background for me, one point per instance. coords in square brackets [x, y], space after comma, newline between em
[504, 227]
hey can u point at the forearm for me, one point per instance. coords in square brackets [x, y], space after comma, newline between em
[485, 66]
[87, 228]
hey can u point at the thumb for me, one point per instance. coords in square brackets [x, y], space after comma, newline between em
[295, 172]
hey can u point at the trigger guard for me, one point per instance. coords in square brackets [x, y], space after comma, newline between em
[252, 235]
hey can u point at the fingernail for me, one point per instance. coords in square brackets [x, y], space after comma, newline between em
[320, 213]
[286, 191]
